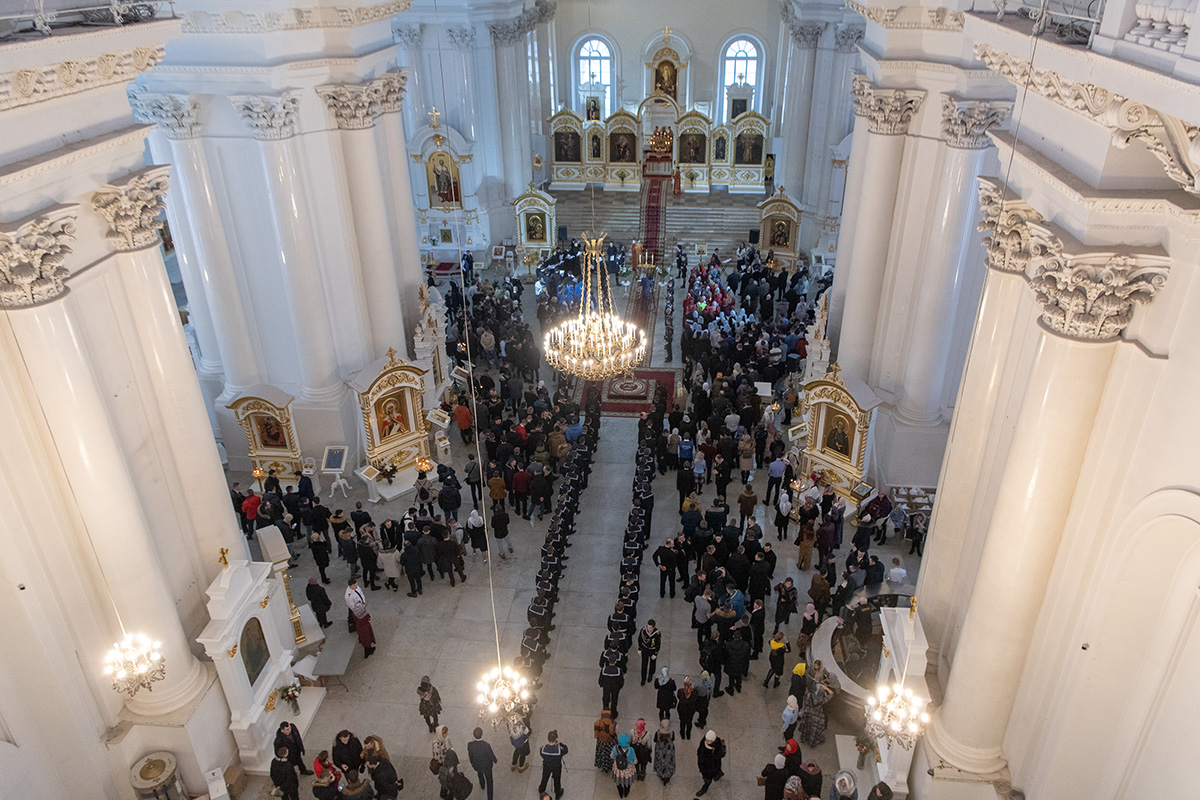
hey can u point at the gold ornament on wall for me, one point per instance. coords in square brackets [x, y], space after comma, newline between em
[270, 706]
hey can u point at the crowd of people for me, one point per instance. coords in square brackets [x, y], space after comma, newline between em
[738, 329]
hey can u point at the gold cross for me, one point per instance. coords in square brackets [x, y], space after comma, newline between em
[666, 32]
[223, 560]
[391, 355]
[834, 371]
[434, 116]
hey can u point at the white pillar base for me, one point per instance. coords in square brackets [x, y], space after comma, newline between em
[907, 454]
[930, 778]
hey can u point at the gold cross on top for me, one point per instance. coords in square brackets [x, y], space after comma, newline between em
[391, 355]
[434, 117]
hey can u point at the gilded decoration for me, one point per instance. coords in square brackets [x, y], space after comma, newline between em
[839, 429]
[779, 227]
[392, 412]
[266, 418]
[534, 211]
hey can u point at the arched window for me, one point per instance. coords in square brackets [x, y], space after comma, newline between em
[595, 77]
[740, 67]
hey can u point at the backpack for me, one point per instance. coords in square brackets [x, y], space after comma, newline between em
[621, 760]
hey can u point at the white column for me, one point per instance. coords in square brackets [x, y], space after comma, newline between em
[272, 119]
[131, 206]
[1051, 433]
[513, 98]
[175, 116]
[830, 120]
[802, 62]
[855, 180]
[957, 486]
[964, 126]
[887, 113]
[409, 271]
[58, 362]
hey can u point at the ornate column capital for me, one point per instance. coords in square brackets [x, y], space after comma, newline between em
[407, 36]
[887, 111]
[174, 114]
[965, 123]
[1089, 294]
[462, 37]
[270, 117]
[132, 207]
[804, 33]
[33, 253]
[391, 86]
[354, 105]
[507, 33]
[847, 37]
[1009, 242]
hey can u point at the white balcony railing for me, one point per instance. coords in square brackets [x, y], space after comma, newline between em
[46, 16]
[1162, 24]
[1069, 21]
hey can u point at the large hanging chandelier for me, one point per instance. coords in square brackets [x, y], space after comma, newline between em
[597, 344]
[503, 696]
[134, 664]
[898, 715]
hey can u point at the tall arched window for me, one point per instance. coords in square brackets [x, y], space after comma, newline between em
[740, 67]
[595, 77]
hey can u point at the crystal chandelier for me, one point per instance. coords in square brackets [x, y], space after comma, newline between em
[896, 713]
[597, 344]
[134, 664]
[503, 696]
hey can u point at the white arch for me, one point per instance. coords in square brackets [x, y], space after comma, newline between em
[576, 102]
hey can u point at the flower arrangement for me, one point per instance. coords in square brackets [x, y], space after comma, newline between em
[291, 693]
[388, 472]
[622, 174]
[864, 744]
[691, 176]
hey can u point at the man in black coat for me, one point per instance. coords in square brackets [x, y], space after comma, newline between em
[383, 773]
[283, 775]
[480, 754]
[288, 738]
[665, 559]
[304, 486]
[737, 661]
[318, 601]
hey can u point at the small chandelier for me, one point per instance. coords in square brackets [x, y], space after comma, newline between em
[134, 664]
[597, 344]
[896, 713]
[503, 696]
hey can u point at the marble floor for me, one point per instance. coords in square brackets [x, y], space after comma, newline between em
[448, 634]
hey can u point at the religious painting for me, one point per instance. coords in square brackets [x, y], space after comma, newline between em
[597, 147]
[391, 415]
[334, 459]
[719, 148]
[441, 174]
[838, 433]
[535, 226]
[446, 236]
[270, 432]
[769, 169]
[738, 106]
[749, 148]
[781, 234]
[593, 108]
[692, 147]
[622, 148]
[253, 647]
[665, 75]
[566, 146]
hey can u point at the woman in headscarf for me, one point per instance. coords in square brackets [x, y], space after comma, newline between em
[623, 764]
[822, 686]
[664, 751]
[639, 740]
[477, 534]
[448, 772]
[791, 715]
[792, 790]
[666, 693]
[793, 759]
[442, 744]
[430, 704]
[774, 779]
[783, 507]
[605, 733]
[808, 626]
[844, 786]
[779, 650]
